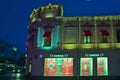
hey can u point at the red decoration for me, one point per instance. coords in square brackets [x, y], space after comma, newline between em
[87, 33]
[104, 33]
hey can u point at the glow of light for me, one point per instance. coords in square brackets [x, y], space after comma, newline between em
[18, 70]
[85, 39]
[38, 38]
[117, 45]
[47, 48]
[25, 55]
[88, 38]
[69, 46]
[104, 45]
[87, 46]
[14, 48]
[33, 19]
[13, 70]
[49, 15]
[41, 56]
[18, 75]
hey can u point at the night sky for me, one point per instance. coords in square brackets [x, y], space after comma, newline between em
[14, 15]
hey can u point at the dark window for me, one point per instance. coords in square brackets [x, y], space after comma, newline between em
[118, 35]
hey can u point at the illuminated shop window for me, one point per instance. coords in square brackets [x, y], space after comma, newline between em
[87, 36]
[102, 66]
[58, 67]
[104, 36]
[47, 38]
[86, 66]
[118, 35]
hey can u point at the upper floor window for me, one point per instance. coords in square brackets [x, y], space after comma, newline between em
[47, 38]
[104, 35]
[118, 35]
[49, 14]
[70, 35]
[87, 36]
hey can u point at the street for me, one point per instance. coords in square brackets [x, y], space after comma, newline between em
[12, 76]
[21, 76]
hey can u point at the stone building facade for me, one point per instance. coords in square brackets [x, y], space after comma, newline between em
[72, 46]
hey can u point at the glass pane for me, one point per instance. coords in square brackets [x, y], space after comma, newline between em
[70, 36]
[86, 67]
[118, 35]
[102, 66]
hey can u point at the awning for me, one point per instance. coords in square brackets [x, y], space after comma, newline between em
[47, 34]
[104, 32]
[87, 33]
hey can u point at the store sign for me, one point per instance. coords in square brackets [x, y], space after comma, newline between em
[59, 55]
[94, 55]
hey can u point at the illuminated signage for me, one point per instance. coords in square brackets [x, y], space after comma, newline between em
[59, 55]
[94, 55]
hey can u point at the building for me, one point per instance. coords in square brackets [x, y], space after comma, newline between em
[9, 55]
[72, 46]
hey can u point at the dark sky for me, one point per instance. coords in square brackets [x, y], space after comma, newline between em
[14, 15]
